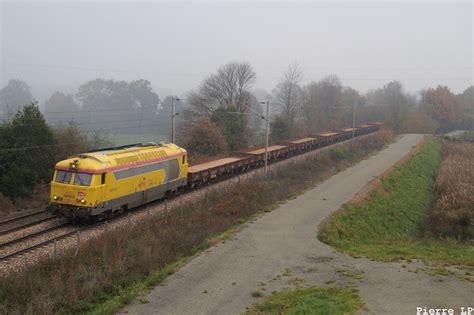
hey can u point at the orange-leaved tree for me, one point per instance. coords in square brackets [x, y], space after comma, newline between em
[204, 138]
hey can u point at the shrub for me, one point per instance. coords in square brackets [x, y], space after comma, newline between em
[204, 139]
[339, 153]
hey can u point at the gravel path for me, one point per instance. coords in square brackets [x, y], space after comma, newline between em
[280, 250]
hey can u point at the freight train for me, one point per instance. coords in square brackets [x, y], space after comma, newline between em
[101, 183]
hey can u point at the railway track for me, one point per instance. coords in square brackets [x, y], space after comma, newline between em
[42, 242]
[21, 222]
[35, 240]
[71, 231]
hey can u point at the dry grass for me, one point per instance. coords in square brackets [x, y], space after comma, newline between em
[452, 212]
[6, 206]
[38, 199]
[115, 264]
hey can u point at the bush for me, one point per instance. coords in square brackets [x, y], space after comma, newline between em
[204, 139]
[339, 153]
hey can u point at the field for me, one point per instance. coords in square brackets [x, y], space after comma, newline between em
[112, 270]
[452, 212]
[391, 223]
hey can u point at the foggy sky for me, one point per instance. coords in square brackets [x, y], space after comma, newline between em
[60, 45]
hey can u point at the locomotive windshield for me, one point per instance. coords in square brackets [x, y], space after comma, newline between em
[63, 176]
[82, 179]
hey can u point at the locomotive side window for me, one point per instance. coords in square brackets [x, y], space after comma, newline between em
[63, 176]
[102, 181]
[82, 179]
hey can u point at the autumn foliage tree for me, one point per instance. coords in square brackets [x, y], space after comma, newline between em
[440, 104]
[204, 139]
[466, 107]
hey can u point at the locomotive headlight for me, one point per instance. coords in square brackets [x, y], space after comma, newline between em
[55, 197]
[83, 201]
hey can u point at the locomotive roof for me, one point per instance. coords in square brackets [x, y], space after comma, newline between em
[122, 157]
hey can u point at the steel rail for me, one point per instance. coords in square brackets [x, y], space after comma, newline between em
[32, 235]
[49, 241]
[24, 226]
[7, 221]
[41, 244]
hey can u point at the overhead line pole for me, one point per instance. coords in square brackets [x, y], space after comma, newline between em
[172, 120]
[354, 119]
[267, 120]
[173, 116]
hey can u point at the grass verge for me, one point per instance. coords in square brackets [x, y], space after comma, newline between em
[115, 268]
[389, 225]
[310, 301]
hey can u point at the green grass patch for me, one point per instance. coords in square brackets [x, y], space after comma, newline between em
[310, 301]
[390, 225]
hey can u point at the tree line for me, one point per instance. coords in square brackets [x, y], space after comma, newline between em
[100, 104]
[223, 114]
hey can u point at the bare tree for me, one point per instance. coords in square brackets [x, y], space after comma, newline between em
[322, 103]
[228, 87]
[394, 102]
[217, 99]
[288, 93]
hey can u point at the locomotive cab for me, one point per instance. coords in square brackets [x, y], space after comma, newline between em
[77, 188]
[99, 183]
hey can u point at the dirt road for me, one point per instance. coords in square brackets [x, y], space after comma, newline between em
[280, 250]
